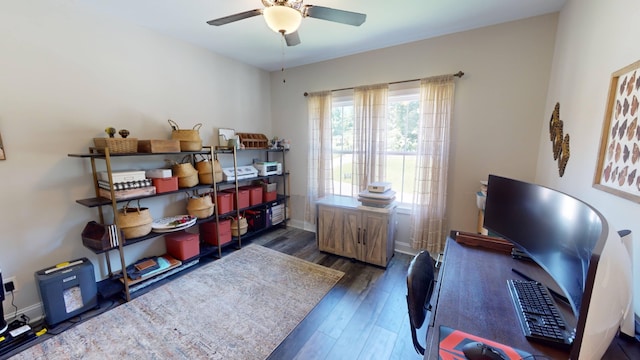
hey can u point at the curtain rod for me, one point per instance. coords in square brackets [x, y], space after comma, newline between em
[458, 74]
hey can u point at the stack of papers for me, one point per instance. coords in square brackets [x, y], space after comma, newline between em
[376, 199]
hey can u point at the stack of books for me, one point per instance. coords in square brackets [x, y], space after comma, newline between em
[378, 194]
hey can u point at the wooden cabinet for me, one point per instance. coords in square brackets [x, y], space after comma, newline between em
[347, 229]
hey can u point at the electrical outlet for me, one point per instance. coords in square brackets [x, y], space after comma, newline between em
[7, 281]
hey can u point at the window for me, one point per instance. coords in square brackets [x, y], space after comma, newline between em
[402, 137]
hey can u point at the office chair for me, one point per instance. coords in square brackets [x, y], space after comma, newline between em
[420, 282]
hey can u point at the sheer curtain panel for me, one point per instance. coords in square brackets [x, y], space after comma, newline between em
[370, 108]
[319, 183]
[428, 219]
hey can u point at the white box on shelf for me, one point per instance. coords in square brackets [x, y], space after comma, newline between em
[158, 173]
[122, 176]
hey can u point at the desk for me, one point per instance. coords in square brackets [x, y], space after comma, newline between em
[471, 295]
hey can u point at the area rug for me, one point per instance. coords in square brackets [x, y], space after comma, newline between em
[239, 307]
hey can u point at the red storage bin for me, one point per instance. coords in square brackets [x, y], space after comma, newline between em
[255, 195]
[269, 196]
[242, 200]
[225, 202]
[165, 184]
[209, 234]
[182, 245]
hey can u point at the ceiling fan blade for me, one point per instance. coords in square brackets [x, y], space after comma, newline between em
[292, 39]
[335, 15]
[235, 17]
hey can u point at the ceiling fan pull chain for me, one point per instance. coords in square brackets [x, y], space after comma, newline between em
[282, 42]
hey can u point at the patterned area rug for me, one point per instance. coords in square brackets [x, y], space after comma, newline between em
[239, 307]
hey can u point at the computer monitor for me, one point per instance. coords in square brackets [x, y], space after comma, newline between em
[3, 323]
[576, 246]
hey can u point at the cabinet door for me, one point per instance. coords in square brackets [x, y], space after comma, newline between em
[330, 229]
[351, 233]
[374, 238]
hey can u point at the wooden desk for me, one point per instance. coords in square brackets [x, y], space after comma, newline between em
[471, 295]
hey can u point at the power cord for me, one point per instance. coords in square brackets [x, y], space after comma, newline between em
[15, 314]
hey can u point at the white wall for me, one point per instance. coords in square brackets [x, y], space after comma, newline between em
[595, 38]
[66, 74]
[499, 103]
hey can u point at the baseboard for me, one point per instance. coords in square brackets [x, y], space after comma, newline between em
[34, 312]
[404, 248]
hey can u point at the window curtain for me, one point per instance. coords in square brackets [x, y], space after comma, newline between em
[370, 111]
[319, 182]
[428, 220]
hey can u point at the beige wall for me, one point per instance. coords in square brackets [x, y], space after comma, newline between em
[498, 106]
[595, 38]
[66, 74]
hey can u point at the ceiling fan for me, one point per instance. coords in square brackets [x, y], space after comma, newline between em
[285, 16]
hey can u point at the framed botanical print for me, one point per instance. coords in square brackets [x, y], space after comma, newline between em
[618, 167]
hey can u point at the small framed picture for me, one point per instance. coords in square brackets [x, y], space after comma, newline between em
[618, 167]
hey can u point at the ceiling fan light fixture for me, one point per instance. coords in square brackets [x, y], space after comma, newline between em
[282, 18]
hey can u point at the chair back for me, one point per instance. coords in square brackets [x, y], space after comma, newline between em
[420, 283]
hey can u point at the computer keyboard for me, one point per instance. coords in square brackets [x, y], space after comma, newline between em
[539, 317]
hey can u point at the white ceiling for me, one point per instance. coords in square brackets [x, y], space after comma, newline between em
[251, 41]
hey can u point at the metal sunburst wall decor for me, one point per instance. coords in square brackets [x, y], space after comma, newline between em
[559, 140]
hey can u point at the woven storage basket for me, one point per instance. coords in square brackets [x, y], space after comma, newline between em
[190, 145]
[186, 173]
[200, 206]
[205, 171]
[116, 145]
[243, 226]
[134, 221]
[189, 139]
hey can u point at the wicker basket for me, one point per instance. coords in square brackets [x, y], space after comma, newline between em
[195, 145]
[205, 171]
[189, 139]
[243, 226]
[200, 206]
[134, 221]
[116, 145]
[186, 173]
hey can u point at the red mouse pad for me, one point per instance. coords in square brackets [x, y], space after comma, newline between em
[452, 341]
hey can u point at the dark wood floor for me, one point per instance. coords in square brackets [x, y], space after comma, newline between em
[363, 317]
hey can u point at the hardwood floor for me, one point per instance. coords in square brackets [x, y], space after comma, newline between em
[363, 317]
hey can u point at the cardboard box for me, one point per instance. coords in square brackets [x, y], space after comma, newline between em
[269, 187]
[182, 245]
[165, 184]
[242, 200]
[128, 194]
[209, 233]
[158, 146]
[225, 202]
[158, 173]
